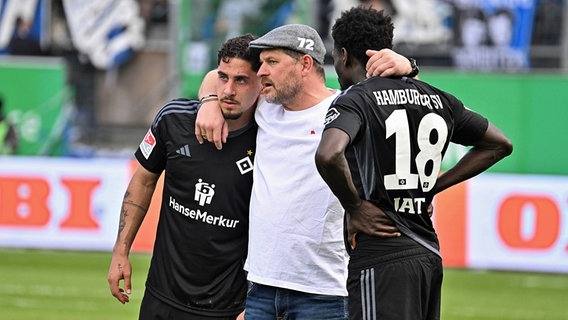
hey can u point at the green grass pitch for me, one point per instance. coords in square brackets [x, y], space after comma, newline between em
[44, 285]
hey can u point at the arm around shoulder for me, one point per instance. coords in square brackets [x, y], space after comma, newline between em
[210, 124]
[386, 63]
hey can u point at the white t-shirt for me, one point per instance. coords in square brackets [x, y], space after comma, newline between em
[296, 223]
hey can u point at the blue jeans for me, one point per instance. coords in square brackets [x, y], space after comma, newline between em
[267, 303]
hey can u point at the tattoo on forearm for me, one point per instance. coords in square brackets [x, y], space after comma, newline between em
[122, 222]
[124, 211]
[134, 204]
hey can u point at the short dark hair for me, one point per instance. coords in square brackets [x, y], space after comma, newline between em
[359, 29]
[238, 47]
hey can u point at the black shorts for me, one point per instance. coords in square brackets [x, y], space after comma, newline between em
[405, 285]
[155, 309]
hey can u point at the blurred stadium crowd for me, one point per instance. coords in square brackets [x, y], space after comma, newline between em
[123, 59]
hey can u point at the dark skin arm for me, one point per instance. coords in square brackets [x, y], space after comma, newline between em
[332, 165]
[487, 151]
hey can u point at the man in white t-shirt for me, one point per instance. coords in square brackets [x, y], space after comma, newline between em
[297, 258]
[297, 262]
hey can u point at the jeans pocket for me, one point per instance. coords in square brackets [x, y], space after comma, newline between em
[251, 287]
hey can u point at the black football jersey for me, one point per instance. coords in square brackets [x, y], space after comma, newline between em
[202, 235]
[399, 131]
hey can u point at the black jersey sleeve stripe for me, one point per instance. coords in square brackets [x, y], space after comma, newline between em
[176, 106]
[179, 104]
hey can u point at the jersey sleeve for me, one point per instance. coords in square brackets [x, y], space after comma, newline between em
[343, 114]
[469, 125]
[151, 152]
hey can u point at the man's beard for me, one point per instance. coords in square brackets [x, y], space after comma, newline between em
[232, 116]
[286, 93]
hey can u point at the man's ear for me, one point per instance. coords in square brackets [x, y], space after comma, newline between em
[307, 63]
[345, 58]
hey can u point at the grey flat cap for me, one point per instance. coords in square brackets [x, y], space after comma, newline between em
[297, 37]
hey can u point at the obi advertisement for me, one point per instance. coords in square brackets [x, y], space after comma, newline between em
[493, 221]
[505, 221]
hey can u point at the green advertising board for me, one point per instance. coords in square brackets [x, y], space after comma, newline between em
[531, 109]
[35, 92]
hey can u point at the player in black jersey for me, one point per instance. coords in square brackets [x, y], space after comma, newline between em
[196, 270]
[381, 151]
